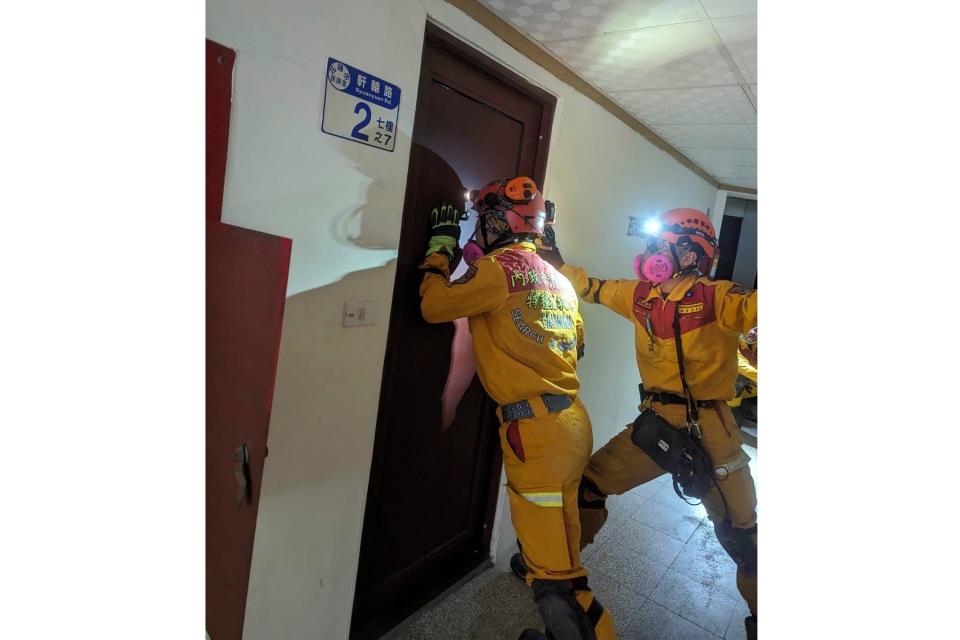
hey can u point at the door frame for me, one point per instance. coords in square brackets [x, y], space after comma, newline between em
[436, 35]
[720, 205]
[439, 35]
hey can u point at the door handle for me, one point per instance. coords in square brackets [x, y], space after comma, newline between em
[241, 472]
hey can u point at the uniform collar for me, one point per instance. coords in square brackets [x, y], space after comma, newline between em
[678, 292]
[519, 246]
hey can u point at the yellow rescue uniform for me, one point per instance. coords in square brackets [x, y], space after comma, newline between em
[712, 314]
[526, 331]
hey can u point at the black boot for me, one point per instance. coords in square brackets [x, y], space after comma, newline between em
[561, 613]
[751, 625]
[518, 566]
[532, 634]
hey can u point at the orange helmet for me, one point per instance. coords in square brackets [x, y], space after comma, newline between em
[679, 226]
[516, 200]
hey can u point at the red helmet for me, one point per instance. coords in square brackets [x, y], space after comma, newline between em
[689, 225]
[518, 202]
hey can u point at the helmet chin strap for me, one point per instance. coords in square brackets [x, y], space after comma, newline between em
[502, 240]
[681, 271]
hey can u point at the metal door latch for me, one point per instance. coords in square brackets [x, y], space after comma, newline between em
[241, 471]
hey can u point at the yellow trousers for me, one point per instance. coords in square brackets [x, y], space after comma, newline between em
[620, 466]
[544, 458]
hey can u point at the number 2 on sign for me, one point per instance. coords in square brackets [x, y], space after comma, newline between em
[366, 120]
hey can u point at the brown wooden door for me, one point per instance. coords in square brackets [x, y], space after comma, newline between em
[246, 274]
[432, 492]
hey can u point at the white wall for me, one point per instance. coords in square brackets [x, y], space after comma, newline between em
[341, 203]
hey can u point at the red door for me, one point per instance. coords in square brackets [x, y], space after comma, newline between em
[246, 277]
[432, 490]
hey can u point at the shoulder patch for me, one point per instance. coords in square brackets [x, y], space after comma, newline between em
[641, 304]
[642, 290]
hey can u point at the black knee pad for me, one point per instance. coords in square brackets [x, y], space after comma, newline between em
[739, 545]
[586, 484]
[562, 615]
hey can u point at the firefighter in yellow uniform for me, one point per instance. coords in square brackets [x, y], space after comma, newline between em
[672, 298]
[527, 333]
[746, 385]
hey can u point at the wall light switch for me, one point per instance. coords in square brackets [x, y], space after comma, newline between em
[359, 313]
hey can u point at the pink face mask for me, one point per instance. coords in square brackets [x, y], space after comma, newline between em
[656, 268]
[472, 252]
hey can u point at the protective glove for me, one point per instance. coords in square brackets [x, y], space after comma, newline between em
[749, 349]
[445, 234]
[548, 250]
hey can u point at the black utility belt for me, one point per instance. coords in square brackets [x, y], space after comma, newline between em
[522, 409]
[672, 398]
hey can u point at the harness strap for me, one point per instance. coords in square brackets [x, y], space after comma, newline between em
[664, 397]
[693, 415]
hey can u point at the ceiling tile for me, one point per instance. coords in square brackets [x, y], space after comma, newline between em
[549, 20]
[726, 8]
[722, 157]
[703, 105]
[672, 57]
[659, 61]
[723, 136]
[739, 35]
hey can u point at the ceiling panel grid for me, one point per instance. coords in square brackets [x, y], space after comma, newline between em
[687, 69]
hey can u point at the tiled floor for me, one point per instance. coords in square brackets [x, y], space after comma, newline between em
[655, 565]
